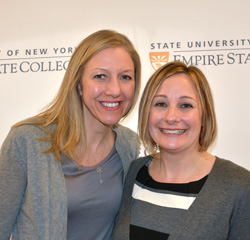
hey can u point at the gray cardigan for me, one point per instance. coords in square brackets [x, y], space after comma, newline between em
[221, 210]
[33, 195]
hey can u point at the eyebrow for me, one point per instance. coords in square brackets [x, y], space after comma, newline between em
[129, 70]
[98, 69]
[104, 69]
[182, 97]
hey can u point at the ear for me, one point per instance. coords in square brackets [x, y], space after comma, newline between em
[79, 88]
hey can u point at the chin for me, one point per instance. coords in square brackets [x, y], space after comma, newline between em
[110, 122]
[172, 148]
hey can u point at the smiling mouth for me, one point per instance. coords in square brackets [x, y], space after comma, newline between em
[111, 105]
[172, 131]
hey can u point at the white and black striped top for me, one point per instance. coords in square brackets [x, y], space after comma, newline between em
[158, 207]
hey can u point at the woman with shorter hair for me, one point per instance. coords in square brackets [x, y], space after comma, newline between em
[62, 171]
[180, 191]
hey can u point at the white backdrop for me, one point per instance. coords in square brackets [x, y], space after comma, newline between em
[38, 37]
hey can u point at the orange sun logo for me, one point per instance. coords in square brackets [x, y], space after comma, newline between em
[157, 59]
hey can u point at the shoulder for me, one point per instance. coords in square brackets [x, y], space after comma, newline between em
[33, 126]
[19, 143]
[232, 174]
[126, 137]
[232, 169]
[125, 132]
[24, 133]
[126, 142]
[135, 167]
[26, 130]
[139, 162]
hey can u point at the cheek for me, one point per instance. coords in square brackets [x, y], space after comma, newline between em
[192, 119]
[92, 90]
[154, 120]
[129, 90]
[97, 89]
[155, 117]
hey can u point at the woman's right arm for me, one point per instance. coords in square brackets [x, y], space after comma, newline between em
[12, 180]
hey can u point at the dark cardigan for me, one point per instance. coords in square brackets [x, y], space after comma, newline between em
[220, 211]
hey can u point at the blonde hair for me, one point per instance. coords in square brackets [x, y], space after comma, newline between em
[209, 125]
[66, 109]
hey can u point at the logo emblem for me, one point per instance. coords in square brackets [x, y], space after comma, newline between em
[157, 59]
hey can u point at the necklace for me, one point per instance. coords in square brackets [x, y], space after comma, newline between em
[192, 172]
[183, 180]
[99, 168]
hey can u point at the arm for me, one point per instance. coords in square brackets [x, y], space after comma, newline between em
[12, 181]
[240, 221]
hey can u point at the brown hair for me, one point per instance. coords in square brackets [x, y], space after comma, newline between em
[209, 125]
[66, 109]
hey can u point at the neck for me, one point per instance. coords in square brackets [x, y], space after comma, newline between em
[96, 138]
[179, 159]
[181, 168]
[99, 142]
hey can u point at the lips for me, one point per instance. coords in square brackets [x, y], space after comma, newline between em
[110, 104]
[173, 131]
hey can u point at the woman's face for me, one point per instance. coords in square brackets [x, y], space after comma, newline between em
[108, 86]
[175, 115]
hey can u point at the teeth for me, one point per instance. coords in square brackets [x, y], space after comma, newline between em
[173, 131]
[106, 104]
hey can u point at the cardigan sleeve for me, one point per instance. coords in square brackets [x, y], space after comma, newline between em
[240, 221]
[12, 181]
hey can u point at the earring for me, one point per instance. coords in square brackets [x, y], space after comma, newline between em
[156, 147]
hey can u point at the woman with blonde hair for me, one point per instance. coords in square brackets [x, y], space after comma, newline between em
[62, 171]
[181, 191]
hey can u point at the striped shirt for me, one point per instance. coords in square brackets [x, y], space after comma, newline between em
[168, 201]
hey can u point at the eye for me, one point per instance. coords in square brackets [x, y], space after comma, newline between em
[126, 77]
[186, 105]
[100, 76]
[160, 104]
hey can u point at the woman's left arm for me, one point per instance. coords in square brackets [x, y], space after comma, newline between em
[240, 221]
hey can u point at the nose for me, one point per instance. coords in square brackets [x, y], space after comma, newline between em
[172, 115]
[113, 87]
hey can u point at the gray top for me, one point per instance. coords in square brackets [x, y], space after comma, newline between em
[91, 207]
[169, 201]
[33, 191]
[220, 211]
